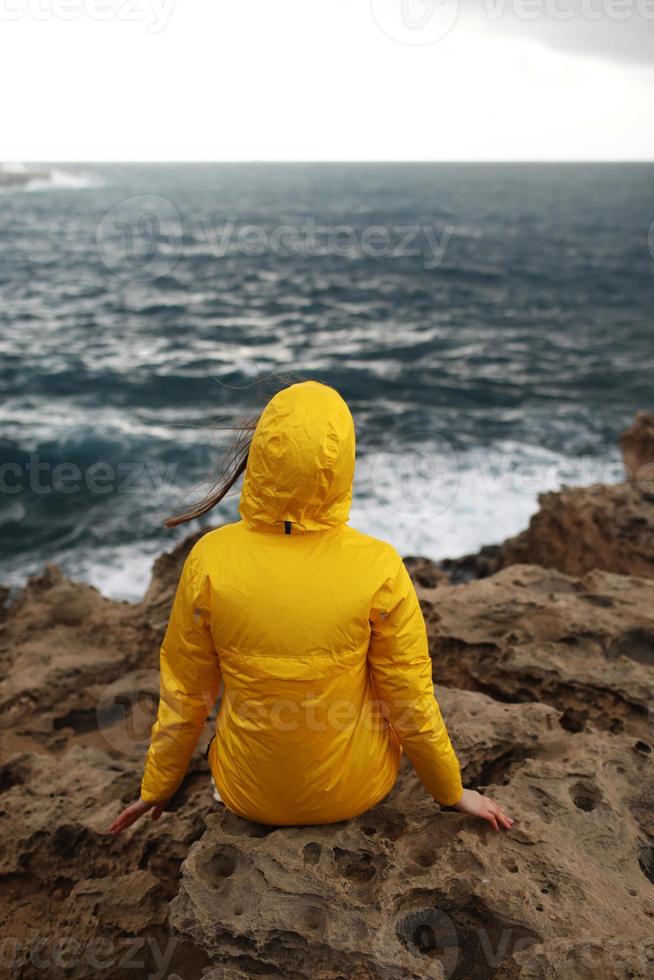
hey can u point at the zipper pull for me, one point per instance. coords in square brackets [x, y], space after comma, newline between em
[287, 527]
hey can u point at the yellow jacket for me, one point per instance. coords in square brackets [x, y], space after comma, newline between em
[316, 633]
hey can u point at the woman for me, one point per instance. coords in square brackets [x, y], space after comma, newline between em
[316, 633]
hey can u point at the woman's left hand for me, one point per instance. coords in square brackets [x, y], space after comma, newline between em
[132, 813]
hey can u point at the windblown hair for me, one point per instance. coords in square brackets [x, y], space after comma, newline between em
[234, 461]
[231, 468]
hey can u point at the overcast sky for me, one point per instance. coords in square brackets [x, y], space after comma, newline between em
[326, 79]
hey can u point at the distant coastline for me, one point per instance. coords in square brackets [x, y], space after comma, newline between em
[18, 178]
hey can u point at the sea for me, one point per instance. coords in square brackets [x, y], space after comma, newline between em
[490, 325]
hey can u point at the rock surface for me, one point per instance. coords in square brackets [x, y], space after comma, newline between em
[546, 680]
[637, 445]
[584, 645]
[578, 529]
[77, 696]
[408, 891]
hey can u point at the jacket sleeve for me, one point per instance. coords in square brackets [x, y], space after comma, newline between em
[401, 669]
[189, 685]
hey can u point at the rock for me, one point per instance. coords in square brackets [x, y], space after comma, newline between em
[485, 562]
[577, 529]
[75, 896]
[78, 690]
[425, 572]
[4, 596]
[405, 891]
[545, 679]
[637, 445]
[429, 574]
[165, 576]
[59, 643]
[584, 645]
[588, 959]
[18, 178]
[65, 649]
[130, 903]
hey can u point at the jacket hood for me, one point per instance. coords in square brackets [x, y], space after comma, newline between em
[301, 462]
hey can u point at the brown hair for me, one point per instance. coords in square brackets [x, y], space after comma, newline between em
[234, 461]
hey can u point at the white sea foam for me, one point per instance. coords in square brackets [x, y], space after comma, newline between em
[44, 178]
[438, 505]
[12, 513]
[64, 180]
[426, 501]
[487, 497]
[121, 572]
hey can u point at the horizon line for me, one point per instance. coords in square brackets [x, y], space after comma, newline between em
[259, 161]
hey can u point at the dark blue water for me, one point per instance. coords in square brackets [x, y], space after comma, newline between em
[490, 325]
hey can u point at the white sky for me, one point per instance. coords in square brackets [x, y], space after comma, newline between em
[310, 79]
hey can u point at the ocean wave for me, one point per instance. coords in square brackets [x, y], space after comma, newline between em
[433, 501]
[426, 499]
[19, 177]
[509, 370]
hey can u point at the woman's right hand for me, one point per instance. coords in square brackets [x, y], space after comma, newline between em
[132, 813]
[483, 807]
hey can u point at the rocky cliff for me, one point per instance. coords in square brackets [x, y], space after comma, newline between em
[581, 528]
[544, 669]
